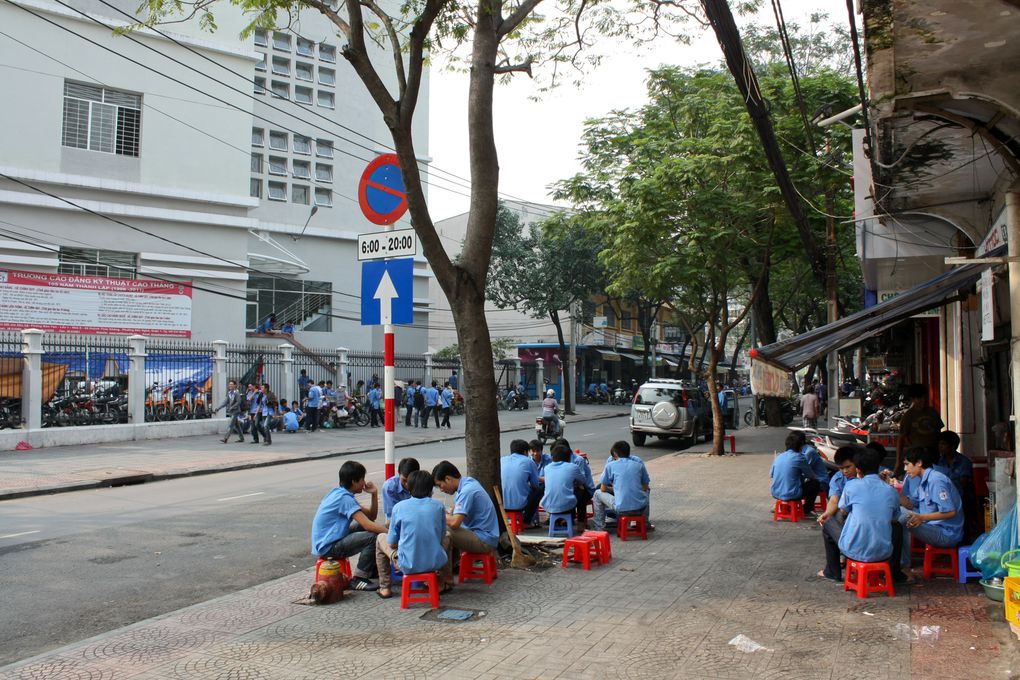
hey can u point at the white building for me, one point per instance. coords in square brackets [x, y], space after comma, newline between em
[215, 187]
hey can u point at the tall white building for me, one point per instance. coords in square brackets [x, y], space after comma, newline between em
[214, 172]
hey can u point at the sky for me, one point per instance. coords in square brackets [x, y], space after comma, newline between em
[537, 141]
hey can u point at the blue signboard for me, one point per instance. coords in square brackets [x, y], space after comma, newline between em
[387, 291]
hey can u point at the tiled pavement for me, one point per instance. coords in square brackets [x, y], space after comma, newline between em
[717, 567]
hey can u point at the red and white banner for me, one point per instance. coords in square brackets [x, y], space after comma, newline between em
[65, 303]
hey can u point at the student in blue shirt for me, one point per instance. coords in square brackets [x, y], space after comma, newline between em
[267, 422]
[934, 511]
[870, 532]
[818, 466]
[564, 482]
[313, 405]
[416, 542]
[954, 464]
[409, 403]
[291, 424]
[375, 404]
[541, 459]
[395, 489]
[624, 488]
[792, 477]
[472, 525]
[519, 479]
[832, 518]
[587, 490]
[431, 405]
[343, 527]
[446, 404]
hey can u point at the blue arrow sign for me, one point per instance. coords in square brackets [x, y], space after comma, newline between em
[387, 291]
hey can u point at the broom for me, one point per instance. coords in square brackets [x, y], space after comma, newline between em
[520, 560]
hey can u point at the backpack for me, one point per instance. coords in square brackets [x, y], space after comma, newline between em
[419, 398]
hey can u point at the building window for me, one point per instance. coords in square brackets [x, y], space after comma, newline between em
[324, 148]
[99, 119]
[303, 71]
[303, 95]
[302, 145]
[277, 140]
[277, 165]
[327, 76]
[260, 37]
[281, 66]
[323, 172]
[327, 53]
[302, 170]
[281, 41]
[306, 304]
[260, 86]
[305, 48]
[324, 197]
[256, 162]
[256, 188]
[299, 194]
[326, 99]
[90, 262]
[277, 191]
[261, 64]
[258, 136]
[280, 89]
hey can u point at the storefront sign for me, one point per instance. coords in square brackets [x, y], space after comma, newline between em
[65, 303]
[986, 286]
[874, 364]
[996, 238]
[769, 381]
[884, 295]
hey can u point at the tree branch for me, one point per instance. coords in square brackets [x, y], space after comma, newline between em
[518, 16]
[391, 33]
[506, 67]
[416, 60]
[356, 52]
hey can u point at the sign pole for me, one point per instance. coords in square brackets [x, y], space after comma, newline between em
[389, 377]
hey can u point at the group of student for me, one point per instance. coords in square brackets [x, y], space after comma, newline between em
[867, 518]
[561, 482]
[258, 411]
[423, 402]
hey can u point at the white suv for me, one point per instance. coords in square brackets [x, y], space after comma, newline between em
[670, 408]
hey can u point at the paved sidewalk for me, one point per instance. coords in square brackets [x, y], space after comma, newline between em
[717, 568]
[70, 468]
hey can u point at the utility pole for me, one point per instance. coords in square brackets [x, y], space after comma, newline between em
[572, 371]
[831, 296]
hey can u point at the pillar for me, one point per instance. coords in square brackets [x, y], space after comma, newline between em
[540, 377]
[136, 379]
[219, 377]
[31, 378]
[342, 368]
[1013, 238]
[287, 392]
[428, 369]
[517, 373]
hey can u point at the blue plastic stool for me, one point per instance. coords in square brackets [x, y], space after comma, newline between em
[568, 521]
[965, 572]
[395, 575]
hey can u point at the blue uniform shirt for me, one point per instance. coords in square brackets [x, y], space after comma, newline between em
[446, 398]
[431, 396]
[961, 467]
[314, 396]
[392, 493]
[479, 513]
[417, 529]
[373, 399]
[546, 459]
[559, 486]
[836, 484]
[628, 478]
[254, 402]
[290, 421]
[867, 532]
[817, 465]
[937, 493]
[585, 468]
[519, 475]
[789, 469]
[333, 519]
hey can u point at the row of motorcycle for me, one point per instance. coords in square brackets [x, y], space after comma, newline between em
[106, 406]
[599, 394]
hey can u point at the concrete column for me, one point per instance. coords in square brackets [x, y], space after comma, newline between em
[428, 369]
[31, 378]
[1013, 249]
[460, 376]
[540, 377]
[517, 372]
[287, 391]
[136, 379]
[219, 377]
[342, 368]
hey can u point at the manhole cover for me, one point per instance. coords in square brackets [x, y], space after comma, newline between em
[451, 615]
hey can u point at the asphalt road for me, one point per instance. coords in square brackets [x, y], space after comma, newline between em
[78, 564]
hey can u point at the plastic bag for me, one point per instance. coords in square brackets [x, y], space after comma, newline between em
[990, 546]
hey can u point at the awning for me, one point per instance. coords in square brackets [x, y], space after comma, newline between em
[806, 348]
[632, 357]
[608, 354]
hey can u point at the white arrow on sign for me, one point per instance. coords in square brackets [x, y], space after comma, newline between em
[385, 294]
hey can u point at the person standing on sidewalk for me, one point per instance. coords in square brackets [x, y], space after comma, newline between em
[431, 404]
[374, 404]
[343, 527]
[234, 403]
[312, 408]
[419, 405]
[270, 407]
[472, 525]
[304, 384]
[446, 403]
[409, 394]
[255, 407]
[809, 407]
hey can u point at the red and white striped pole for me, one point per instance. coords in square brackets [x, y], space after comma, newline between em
[389, 378]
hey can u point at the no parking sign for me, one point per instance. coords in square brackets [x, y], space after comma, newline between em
[381, 192]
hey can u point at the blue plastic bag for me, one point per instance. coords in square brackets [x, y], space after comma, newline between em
[987, 551]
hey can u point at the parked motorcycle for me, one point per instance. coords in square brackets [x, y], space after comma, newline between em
[10, 413]
[517, 401]
[787, 409]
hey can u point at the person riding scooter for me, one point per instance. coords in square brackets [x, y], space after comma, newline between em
[549, 408]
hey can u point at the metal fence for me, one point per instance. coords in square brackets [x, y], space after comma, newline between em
[178, 378]
[85, 379]
[256, 365]
[10, 379]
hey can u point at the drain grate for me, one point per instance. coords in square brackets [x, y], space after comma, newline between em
[451, 615]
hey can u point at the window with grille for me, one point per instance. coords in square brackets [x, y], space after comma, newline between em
[277, 191]
[261, 64]
[281, 66]
[302, 170]
[327, 53]
[277, 165]
[305, 47]
[302, 144]
[303, 95]
[299, 194]
[323, 172]
[258, 137]
[99, 119]
[326, 99]
[91, 262]
[303, 71]
[327, 76]
[324, 148]
[324, 197]
[260, 37]
[280, 89]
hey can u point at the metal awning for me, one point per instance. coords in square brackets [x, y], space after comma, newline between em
[632, 357]
[608, 354]
[806, 348]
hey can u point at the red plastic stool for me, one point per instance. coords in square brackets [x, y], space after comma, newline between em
[427, 590]
[582, 548]
[468, 570]
[516, 521]
[606, 546]
[624, 529]
[931, 554]
[791, 510]
[868, 577]
[822, 502]
[733, 442]
[916, 546]
[345, 566]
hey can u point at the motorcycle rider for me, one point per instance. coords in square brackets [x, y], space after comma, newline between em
[549, 415]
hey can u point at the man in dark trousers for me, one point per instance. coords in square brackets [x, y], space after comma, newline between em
[234, 403]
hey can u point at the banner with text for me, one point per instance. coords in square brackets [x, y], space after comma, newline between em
[768, 380]
[65, 303]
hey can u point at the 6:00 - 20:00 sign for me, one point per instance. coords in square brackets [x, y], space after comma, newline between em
[387, 243]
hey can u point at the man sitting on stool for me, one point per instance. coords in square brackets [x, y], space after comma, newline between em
[624, 487]
[472, 525]
[792, 477]
[519, 477]
[937, 517]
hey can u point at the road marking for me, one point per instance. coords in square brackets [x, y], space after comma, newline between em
[234, 498]
[590, 434]
[23, 533]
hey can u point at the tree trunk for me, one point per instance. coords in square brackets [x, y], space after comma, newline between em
[718, 426]
[736, 350]
[684, 367]
[564, 363]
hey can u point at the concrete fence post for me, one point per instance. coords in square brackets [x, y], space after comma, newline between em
[287, 391]
[428, 369]
[517, 373]
[540, 378]
[462, 384]
[136, 379]
[31, 378]
[343, 368]
[219, 378]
